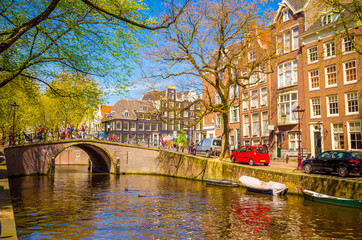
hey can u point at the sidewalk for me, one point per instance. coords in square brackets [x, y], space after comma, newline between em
[7, 220]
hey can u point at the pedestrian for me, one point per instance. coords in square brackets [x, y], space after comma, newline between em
[68, 131]
[71, 132]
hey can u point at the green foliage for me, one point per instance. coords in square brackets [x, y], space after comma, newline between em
[181, 137]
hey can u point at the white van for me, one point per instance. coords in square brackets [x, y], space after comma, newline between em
[208, 146]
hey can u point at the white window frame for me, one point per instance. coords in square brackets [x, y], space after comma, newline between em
[337, 132]
[293, 140]
[234, 91]
[286, 15]
[329, 50]
[287, 41]
[262, 73]
[316, 76]
[330, 73]
[263, 97]
[264, 123]
[356, 131]
[255, 124]
[355, 103]
[245, 100]
[315, 107]
[251, 56]
[218, 120]
[279, 43]
[326, 19]
[332, 100]
[125, 126]
[350, 69]
[295, 38]
[283, 69]
[141, 128]
[246, 124]
[312, 55]
[254, 99]
[346, 42]
[283, 105]
[234, 114]
[217, 98]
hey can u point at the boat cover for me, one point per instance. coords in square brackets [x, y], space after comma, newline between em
[255, 183]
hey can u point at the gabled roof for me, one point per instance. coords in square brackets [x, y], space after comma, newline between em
[294, 5]
[153, 95]
[132, 107]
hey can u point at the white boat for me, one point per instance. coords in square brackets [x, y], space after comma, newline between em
[255, 185]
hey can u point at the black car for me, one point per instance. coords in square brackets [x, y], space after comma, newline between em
[342, 162]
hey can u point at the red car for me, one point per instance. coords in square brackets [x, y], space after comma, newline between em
[251, 154]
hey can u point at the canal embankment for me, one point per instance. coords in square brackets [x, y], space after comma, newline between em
[7, 220]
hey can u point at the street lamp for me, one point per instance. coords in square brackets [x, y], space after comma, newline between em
[14, 106]
[298, 113]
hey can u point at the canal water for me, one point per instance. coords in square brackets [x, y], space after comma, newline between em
[74, 204]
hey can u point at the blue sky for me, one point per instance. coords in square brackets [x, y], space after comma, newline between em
[139, 85]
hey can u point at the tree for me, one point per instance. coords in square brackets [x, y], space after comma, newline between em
[90, 37]
[348, 14]
[211, 44]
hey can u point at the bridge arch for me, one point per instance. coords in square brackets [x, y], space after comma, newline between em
[101, 159]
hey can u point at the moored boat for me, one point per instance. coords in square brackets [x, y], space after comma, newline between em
[255, 185]
[324, 198]
[221, 182]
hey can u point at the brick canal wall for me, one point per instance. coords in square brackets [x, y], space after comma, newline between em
[199, 168]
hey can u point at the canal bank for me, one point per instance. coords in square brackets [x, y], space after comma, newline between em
[193, 167]
[7, 220]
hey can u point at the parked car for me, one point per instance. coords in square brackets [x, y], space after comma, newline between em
[342, 162]
[251, 154]
[208, 146]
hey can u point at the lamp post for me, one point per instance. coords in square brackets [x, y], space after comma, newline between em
[14, 106]
[299, 114]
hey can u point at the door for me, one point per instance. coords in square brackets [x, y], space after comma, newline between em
[317, 143]
[279, 145]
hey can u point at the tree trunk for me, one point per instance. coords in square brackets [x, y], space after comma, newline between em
[225, 136]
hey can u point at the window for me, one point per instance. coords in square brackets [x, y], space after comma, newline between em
[251, 56]
[218, 99]
[316, 107]
[355, 135]
[246, 125]
[287, 103]
[133, 126]
[352, 102]
[140, 126]
[331, 76]
[313, 54]
[329, 50]
[287, 41]
[279, 47]
[234, 91]
[338, 136]
[262, 73]
[332, 102]
[263, 97]
[350, 71]
[256, 142]
[234, 114]
[295, 39]
[118, 125]
[125, 126]
[245, 100]
[264, 122]
[348, 44]
[148, 126]
[185, 113]
[218, 120]
[221, 76]
[255, 124]
[293, 141]
[126, 114]
[253, 79]
[287, 74]
[154, 126]
[314, 79]
[285, 15]
[254, 99]
[244, 75]
[326, 19]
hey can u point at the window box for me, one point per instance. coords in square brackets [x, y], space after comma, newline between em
[283, 115]
[263, 105]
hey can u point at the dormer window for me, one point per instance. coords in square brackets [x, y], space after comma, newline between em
[126, 114]
[286, 15]
[326, 19]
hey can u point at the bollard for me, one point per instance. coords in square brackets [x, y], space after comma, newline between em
[286, 158]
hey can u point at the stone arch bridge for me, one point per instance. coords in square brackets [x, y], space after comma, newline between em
[105, 157]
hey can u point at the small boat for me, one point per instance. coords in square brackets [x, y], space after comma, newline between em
[223, 182]
[255, 185]
[323, 198]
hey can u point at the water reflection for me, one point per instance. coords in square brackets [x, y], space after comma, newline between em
[76, 205]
